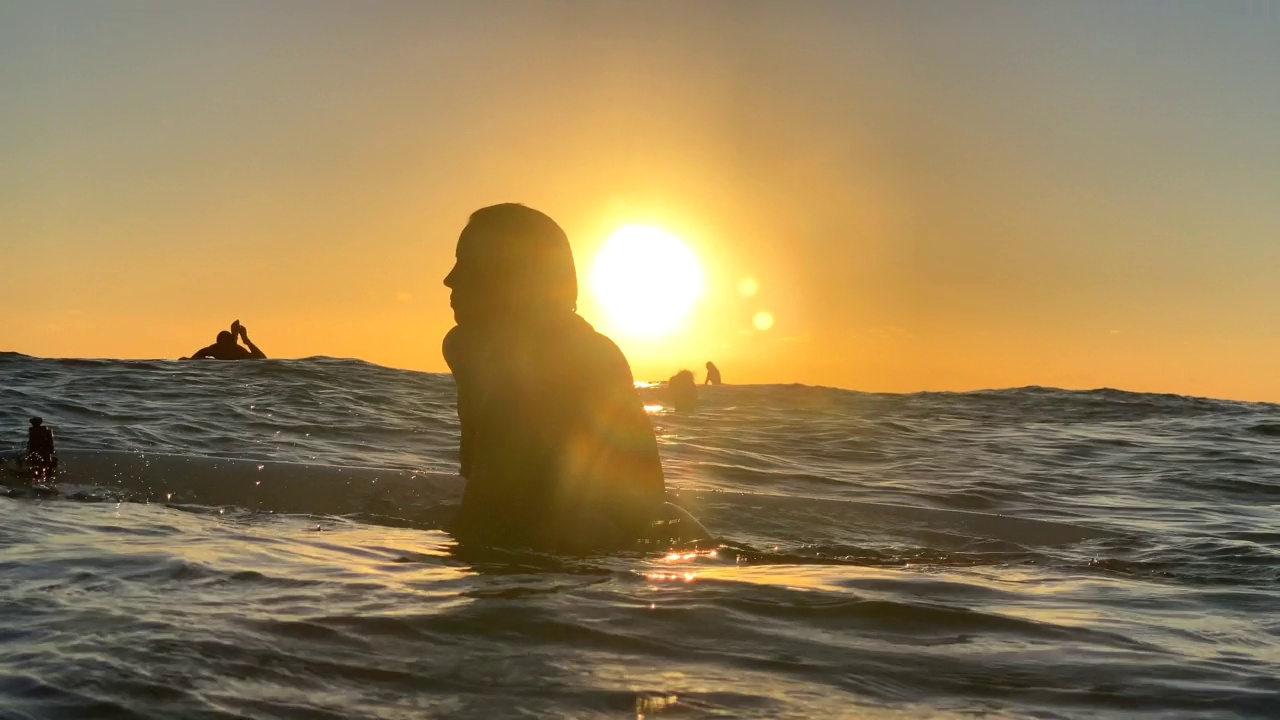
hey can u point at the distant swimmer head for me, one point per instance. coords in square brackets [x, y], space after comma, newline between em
[226, 338]
[683, 391]
[513, 262]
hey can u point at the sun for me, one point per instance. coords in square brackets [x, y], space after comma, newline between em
[647, 280]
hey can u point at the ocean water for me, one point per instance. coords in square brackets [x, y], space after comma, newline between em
[261, 540]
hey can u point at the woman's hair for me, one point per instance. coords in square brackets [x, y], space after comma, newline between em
[528, 253]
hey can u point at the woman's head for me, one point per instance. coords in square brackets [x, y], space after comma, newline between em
[512, 262]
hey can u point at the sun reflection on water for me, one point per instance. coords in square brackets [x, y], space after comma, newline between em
[653, 704]
[665, 576]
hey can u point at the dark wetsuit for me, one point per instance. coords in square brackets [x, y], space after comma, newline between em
[40, 447]
[713, 375]
[227, 351]
[556, 448]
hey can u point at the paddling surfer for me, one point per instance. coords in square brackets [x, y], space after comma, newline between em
[226, 347]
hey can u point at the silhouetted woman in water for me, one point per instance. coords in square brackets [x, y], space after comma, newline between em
[556, 448]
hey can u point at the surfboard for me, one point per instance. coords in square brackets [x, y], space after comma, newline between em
[16, 480]
[675, 527]
[386, 494]
[24, 489]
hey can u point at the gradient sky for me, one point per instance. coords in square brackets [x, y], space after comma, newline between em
[931, 195]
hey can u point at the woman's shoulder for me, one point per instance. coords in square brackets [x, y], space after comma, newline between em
[601, 357]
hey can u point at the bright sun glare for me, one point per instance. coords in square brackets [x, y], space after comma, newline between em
[647, 280]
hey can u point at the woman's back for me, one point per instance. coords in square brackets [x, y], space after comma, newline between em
[556, 448]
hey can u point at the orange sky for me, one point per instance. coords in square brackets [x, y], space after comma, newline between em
[931, 196]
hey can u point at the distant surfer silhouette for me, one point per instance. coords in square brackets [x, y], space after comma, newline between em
[713, 374]
[682, 391]
[40, 458]
[226, 347]
[556, 448]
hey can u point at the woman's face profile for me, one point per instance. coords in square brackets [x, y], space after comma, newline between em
[472, 280]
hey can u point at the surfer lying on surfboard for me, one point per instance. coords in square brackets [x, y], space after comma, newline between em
[556, 448]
